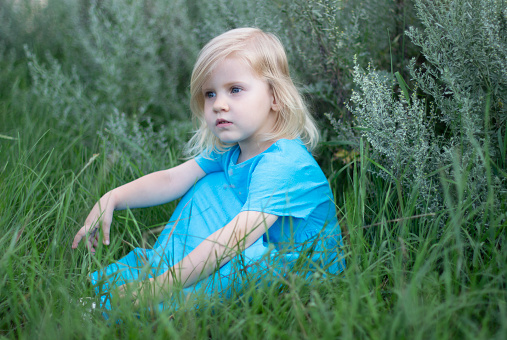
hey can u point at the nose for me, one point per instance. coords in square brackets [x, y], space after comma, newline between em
[220, 103]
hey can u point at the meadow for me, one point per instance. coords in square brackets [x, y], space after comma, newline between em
[411, 100]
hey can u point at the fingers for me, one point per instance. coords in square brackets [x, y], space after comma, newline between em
[93, 240]
[88, 242]
[87, 236]
[105, 240]
[79, 236]
[91, 236]
[106, 227]
[77, 239]
[96, 219]
[89, 245]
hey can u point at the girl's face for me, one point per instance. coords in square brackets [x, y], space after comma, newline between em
[239, 106]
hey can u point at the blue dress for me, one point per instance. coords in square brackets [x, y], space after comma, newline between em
[285, 180]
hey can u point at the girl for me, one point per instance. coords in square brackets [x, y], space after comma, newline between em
[253, 195]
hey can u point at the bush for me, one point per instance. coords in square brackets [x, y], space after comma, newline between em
[132, 56]
[328, 34]
[453, 125]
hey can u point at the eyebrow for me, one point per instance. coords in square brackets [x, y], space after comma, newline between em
[235, 83]
[228, 84]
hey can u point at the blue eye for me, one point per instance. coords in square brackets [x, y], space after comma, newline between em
[236, 89]
[210, 94]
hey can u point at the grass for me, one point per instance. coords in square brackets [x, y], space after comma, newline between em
[414, 278]
[408, 276]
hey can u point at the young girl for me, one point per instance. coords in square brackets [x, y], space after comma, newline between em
[253, 195]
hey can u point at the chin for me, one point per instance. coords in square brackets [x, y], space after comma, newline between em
[228, 140]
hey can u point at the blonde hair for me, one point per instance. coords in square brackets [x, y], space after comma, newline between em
[265, 54]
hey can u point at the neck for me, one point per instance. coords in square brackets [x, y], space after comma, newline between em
[250, 151]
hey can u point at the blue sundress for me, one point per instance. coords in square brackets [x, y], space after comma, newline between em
[285, 180]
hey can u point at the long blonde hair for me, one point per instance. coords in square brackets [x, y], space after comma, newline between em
[265, 54]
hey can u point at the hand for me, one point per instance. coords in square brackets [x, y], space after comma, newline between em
[100, 216]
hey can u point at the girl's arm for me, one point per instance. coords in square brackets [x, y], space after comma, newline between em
[215, 251]
[153, 189]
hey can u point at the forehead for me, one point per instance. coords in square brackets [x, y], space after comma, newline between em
[231, 68]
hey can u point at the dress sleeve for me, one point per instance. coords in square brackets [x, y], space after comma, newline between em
[210, 163]
[287, 186]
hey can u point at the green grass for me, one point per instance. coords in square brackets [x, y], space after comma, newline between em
[411, 274]
[414, 278]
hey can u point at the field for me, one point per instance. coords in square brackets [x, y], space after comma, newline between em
[410, 97]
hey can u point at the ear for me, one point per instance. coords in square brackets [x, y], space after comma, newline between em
[274, 104]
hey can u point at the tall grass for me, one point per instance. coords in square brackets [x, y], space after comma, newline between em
[412, 272]
[402, 281]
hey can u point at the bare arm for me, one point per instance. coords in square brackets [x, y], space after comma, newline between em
[215, 251]
[153, 189]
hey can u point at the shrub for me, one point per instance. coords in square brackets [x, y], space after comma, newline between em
[65, 95]
[132, 56]
[135, 58]
[330, 33]
[453, 125]
[401, 138]
[143, 52]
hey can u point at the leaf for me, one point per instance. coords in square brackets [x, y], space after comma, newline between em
[403, 85]
[7, 137]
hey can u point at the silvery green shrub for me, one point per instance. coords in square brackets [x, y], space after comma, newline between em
[398, 131]
[451, 132]
[135, 56]
[143, 52]
[329, 33]
[63, 93]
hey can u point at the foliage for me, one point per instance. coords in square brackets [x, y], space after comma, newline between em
[466, 79]
[400, 136]
[132, 56]
[135, 58]
[65, 95]
[142, 52]
[452, 124]
[132, 141]
[341, 29]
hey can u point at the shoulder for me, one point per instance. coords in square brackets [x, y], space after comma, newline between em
[286, 180]
[289, 153]
[288, 159]
[286, 145]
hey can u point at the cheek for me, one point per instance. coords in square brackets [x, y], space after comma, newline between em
[209, 117]
[206, 108]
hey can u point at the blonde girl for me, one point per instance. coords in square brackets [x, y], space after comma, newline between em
[251, 191]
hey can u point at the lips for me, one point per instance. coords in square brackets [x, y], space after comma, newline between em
[222, 122]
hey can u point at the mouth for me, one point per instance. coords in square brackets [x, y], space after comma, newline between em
[222, 122]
